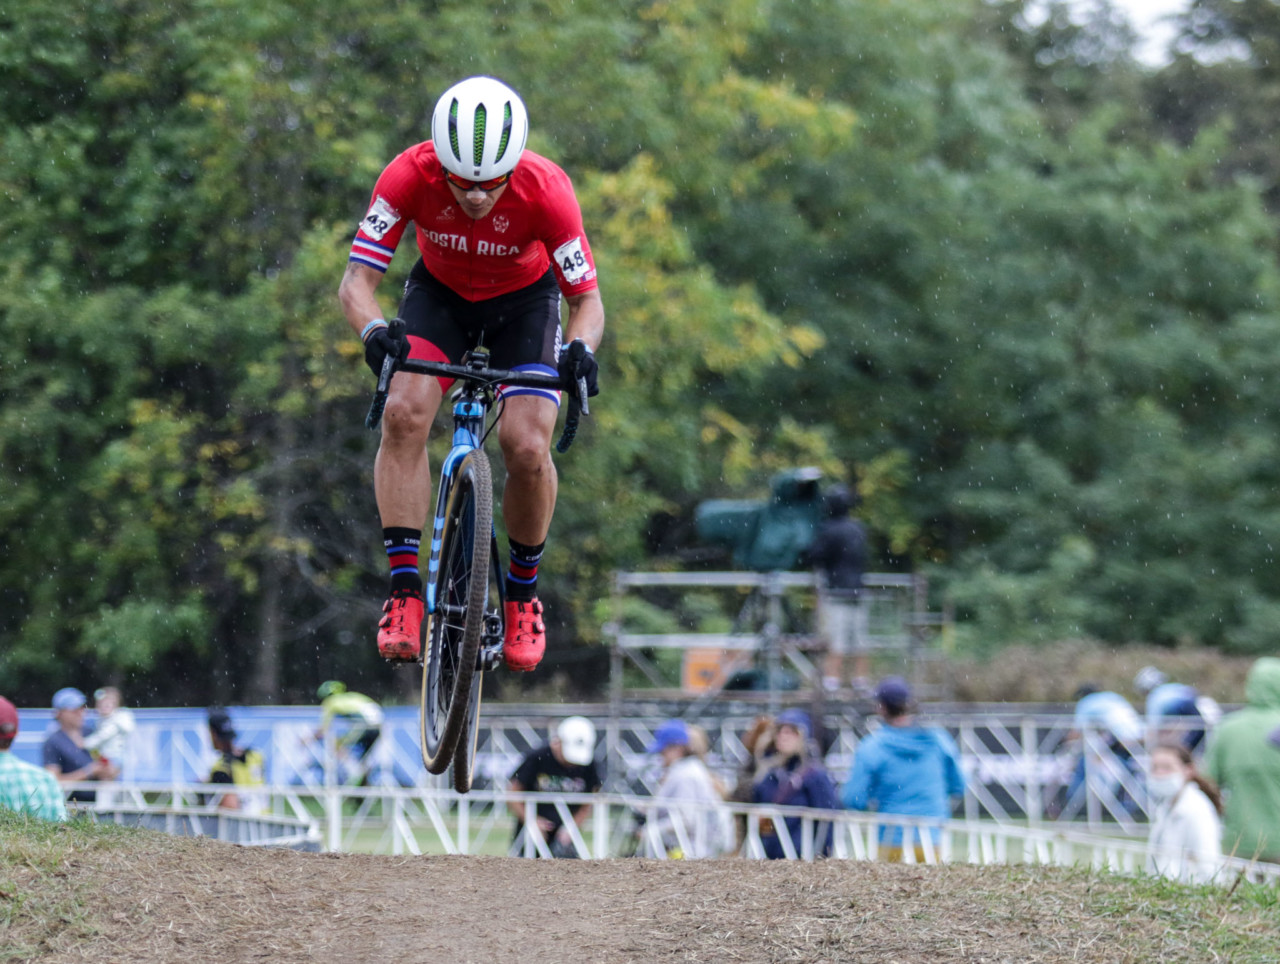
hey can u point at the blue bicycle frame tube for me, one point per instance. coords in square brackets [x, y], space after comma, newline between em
[468, 429]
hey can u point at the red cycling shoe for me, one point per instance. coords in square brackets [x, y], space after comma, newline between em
[526, 635]
[400, 630]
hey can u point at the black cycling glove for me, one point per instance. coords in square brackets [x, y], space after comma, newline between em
[378, 344]
[578, 361]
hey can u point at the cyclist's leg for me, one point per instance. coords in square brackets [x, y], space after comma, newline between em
[528, 501]
[529, 498]
[402, 474]
[527, 338]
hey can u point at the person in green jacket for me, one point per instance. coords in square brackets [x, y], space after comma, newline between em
[1244, 759]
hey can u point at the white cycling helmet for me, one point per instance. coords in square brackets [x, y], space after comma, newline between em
[577, 736]
[479, 129]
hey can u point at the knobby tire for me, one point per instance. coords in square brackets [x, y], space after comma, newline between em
[450, 678]
[464, 753]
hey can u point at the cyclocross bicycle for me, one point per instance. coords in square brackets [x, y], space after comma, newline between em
[464, 584]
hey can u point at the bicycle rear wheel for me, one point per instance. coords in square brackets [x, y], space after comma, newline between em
[457, 625]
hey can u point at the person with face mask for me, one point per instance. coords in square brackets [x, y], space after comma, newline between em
[1186, 826]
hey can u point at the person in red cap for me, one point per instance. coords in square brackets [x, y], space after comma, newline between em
[25, 788]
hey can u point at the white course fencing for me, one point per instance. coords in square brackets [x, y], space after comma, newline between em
[1018, 764]
[184, 815]
[400, 821]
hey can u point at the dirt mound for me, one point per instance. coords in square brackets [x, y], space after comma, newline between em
[147, 897]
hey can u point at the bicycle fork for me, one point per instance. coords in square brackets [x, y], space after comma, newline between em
[468, 430]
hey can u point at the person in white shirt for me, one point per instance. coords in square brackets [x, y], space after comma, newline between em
[1186, 826]
[695, 823]
[109, 738]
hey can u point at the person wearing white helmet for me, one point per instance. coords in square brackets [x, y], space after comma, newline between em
[500, 238]
[566, 764]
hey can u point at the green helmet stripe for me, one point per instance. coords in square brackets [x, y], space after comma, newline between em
[453, 129]
[506, 131]
[479, 136]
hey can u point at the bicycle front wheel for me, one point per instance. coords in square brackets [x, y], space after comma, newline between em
[457, 625]
[464, 755]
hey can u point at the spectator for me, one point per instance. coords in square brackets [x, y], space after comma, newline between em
[236, 766]
[64, 751]
[25, 788]
[109, 736]
[758, 742]
[1174, 711]
[903, 768]
[1186, 832]
[356, 721]
[700, 746]
[692, 821]
[839, 555]
[793, 776]
[566, 764]
[1105, 724]
[1244, 759]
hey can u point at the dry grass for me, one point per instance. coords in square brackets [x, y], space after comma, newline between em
[84, 893]
[1051, 673]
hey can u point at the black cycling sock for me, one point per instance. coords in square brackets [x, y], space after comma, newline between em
[522, 575]
[402, 555]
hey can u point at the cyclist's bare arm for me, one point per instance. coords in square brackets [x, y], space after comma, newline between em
[586, 318]
[357, 295]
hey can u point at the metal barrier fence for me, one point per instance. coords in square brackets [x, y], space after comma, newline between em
[206, 820]
[417, 821]
[1018, 766]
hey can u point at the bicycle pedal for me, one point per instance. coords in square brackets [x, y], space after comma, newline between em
[489, 658]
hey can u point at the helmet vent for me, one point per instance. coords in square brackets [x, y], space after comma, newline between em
[506, 131]
[479, 134]
[453, 129]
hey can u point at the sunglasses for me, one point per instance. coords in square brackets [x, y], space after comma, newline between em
[462, 184]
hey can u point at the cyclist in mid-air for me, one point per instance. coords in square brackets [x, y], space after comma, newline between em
[500, 235]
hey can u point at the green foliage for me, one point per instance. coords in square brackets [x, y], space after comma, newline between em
[933, 246]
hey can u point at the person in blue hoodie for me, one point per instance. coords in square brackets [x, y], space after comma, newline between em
[903, 768]
[793, 776]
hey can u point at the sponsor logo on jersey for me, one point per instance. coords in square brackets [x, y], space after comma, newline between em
[500, 224]
[448, 214]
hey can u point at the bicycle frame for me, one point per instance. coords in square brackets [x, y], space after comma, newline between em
[470, 411]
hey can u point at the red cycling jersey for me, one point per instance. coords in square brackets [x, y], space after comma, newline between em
[536, 220]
